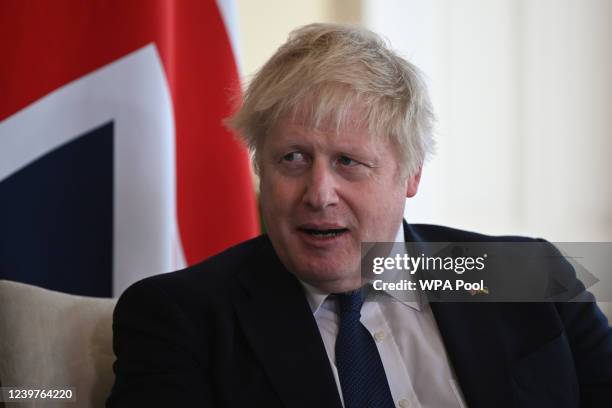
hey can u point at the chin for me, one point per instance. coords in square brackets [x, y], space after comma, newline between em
[325, 271]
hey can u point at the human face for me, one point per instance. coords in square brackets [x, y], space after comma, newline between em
[323, 193]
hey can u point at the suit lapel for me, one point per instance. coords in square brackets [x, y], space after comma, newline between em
[279, 325]
[475, 347]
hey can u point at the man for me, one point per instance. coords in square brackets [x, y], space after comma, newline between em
[340, 127]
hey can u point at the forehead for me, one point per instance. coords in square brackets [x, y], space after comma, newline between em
[348, 130]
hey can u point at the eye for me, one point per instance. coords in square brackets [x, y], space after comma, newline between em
[347, 161]
[294, 161]
[293, 157]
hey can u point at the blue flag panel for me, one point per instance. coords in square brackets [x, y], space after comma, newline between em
[56, 218]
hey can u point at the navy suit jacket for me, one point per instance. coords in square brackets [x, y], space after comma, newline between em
[236, 331]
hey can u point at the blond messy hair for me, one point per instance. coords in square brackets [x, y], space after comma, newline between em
[323, 72]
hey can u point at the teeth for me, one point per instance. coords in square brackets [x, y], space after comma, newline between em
[325, 233]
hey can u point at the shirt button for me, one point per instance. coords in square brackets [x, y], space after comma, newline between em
[403, 403]
[380, 336]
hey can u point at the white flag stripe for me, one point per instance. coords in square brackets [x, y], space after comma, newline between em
[229, 14]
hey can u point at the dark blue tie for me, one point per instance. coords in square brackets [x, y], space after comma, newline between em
[362, 376]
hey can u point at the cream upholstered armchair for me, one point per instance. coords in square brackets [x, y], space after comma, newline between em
[50, 339]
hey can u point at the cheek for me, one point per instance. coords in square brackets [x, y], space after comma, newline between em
[378, 209]
[278, 197]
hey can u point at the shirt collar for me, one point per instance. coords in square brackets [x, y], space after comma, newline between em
[419, 300]
[316, 297]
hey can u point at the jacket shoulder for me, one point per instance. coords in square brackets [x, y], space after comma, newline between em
[215, 275]
[440, 233]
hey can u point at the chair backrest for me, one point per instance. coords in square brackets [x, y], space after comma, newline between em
[52, 340]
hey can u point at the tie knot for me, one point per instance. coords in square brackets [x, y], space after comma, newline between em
[350, 301]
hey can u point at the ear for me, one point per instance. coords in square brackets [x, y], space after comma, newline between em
[412, 184]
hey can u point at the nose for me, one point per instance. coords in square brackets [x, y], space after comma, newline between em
[321, 187]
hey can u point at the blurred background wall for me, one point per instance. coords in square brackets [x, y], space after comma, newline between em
[523, 94]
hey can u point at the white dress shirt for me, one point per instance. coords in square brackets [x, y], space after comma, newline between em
[409, 343]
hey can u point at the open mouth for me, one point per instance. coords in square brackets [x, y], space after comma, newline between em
[324, 233]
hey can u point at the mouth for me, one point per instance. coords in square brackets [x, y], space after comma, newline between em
[322, 236]
[324, 232]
